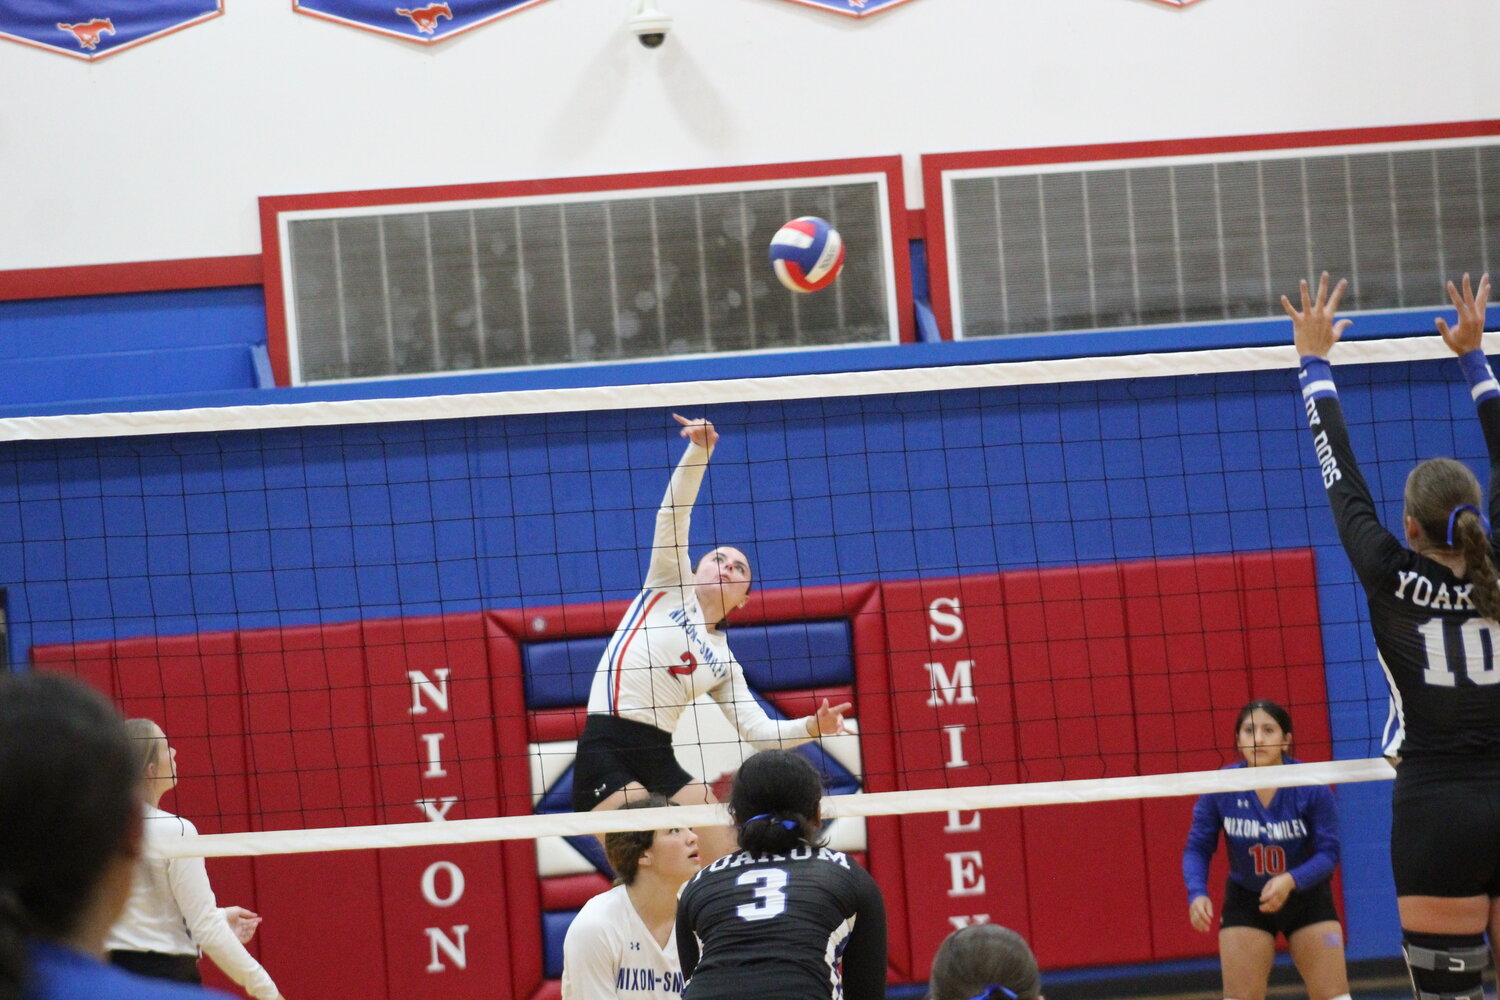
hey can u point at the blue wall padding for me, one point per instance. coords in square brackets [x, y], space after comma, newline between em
[237, 315]
[99, 376]
[558, 674]
[138, 321]
[554, 930]
[775, 658]
[111, 348]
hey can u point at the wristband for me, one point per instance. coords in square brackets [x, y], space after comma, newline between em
[1316, 378]
[1476, 369]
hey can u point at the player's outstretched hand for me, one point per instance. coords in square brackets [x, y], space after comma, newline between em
[1201, 913]
[1314, 329]
[242, 922]
[1273, 895]
[829, 721]
[701, 432]
[1468, 335]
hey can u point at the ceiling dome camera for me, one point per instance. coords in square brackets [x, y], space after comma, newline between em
[649, 24]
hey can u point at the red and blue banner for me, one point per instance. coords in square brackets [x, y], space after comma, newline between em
[853, 8]
[414, 20]
[93, 29]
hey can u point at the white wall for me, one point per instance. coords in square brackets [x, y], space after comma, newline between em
[161, 151]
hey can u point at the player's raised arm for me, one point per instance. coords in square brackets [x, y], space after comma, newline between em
[670, 565]
[1315, 329]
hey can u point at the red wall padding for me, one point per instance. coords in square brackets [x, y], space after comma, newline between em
[1088, 672]
[1056, 674]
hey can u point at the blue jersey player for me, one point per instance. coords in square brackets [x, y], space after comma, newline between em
[1283, 844]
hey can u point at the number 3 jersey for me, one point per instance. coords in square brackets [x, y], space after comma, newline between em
[806, 925]
[1297, 833]
[1441, 658]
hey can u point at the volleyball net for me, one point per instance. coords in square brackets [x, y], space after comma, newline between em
[374, 624]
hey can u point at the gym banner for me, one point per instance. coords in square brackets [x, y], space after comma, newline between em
[93, 29]
[416, 21]
[853, 8]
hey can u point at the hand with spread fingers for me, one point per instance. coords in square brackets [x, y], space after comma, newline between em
[1314, 329]
[829, 721]
[1468, 335]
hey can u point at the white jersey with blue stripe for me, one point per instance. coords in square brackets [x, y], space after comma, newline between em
[663, 656]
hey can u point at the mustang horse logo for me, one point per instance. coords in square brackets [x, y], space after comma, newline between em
[88, 32]
[426, 18]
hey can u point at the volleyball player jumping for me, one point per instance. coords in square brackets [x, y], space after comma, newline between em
[1434, 609]
[667, 651]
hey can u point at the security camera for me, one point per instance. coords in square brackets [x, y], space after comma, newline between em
[650, 24]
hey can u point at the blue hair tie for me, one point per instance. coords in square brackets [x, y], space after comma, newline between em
[790, 824]
[994, 990]
[1453, 516]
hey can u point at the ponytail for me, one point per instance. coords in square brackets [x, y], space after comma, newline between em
[777, 801]
[1443, 497]
[1471, 540]
[778, 833]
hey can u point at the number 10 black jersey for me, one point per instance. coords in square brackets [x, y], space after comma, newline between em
[1441, 658]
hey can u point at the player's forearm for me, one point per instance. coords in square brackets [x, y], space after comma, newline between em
[674, 519]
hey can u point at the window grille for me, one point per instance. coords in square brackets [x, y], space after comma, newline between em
[1065, 247]
[401, 290]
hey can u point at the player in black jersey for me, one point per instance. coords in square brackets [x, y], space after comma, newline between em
[783, 917]
[1435, 612]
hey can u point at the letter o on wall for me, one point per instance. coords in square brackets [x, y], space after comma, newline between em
[455, 883]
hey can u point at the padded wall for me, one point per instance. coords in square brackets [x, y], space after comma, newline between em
[1099, 671]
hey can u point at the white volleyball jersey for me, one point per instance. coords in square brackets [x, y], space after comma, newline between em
[662, 656]
[608, 952]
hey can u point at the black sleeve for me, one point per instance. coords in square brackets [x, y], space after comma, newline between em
[1371, 547]
[864, 957]
[687, 942]
[1489, 423]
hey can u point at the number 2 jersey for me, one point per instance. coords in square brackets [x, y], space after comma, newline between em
[662, 656]
[805, 925]
[1441, 658]
[1297, 833]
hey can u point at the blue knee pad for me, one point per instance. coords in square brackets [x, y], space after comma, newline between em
[1446, 966]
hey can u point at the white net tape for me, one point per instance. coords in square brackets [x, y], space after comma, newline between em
[1039, 793]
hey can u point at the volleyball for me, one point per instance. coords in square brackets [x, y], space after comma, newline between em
[807, 254]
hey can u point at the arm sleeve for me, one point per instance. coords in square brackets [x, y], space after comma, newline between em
[864, 957]
[1202, 841]
[188, 879]
[1486, 392]
[1322, 818]
[590, 962]
[669, 547]
[1371, 548]
[687, 942]
[750, 720]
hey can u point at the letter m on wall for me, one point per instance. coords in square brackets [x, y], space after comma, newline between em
[956, 688]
